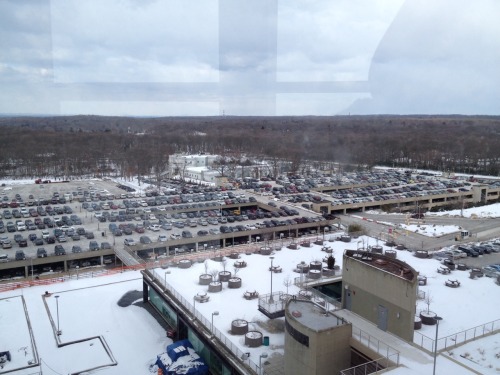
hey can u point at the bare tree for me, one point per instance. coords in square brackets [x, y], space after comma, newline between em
[214, 274]
[287, 282]
[428, 300]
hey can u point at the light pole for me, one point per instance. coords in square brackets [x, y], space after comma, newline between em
[77, 268]
[325, 229]
[263, 355]
[271, 300]
[204, 247]
[57, 312]
[212, 326]
[438, 318]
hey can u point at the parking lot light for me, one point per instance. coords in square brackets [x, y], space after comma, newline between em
[263, 355]
[212, 326]
[57, 312]
[165, 278]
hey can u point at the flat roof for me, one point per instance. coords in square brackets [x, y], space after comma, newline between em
[313, 316]
[384, 262]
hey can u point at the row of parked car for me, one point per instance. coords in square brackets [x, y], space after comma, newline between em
[469, 250]
[59, 249]
[39, 223]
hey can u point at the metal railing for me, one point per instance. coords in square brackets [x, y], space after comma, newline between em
[376, 345]
[458, 338]
[372, 367]
[303, 281]
[189, 306]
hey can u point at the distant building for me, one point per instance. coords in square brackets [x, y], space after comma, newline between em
[193, 167]
[201, 168]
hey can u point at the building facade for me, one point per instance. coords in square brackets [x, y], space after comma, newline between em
[382, 290]
[316, 341]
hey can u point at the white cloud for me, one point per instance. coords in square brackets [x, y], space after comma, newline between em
[330, 41]
[125, 41]
[140, 108]
[409, 56]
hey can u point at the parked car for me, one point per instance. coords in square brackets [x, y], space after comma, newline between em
[162, 238]
[145, 240]
[93, 246]
[41, 252]
[469, 251]
[129, 242]
[20, 255]
[491, 271]
[76, 249]
[59, 250]
[154, 227]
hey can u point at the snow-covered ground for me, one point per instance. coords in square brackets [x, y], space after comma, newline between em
[89, 313]
[89, 308]
[430, 230]
[489, 211]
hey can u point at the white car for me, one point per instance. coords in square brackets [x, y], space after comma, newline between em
[162, 238]
[175, 236]
[154, 228]
[129, 242]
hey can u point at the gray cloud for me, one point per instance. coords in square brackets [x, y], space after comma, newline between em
[314, 57]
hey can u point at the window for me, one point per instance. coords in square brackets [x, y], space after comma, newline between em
[299, 336]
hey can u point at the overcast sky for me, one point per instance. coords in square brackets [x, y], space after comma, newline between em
[249, 57]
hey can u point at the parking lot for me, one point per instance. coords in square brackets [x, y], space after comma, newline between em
[88, 219]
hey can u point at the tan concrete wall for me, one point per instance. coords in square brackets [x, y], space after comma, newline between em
[328, 352]
[371, 287]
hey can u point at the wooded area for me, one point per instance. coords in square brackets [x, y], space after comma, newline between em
[93, 145]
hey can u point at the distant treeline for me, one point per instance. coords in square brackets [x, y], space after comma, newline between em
[96, 145]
